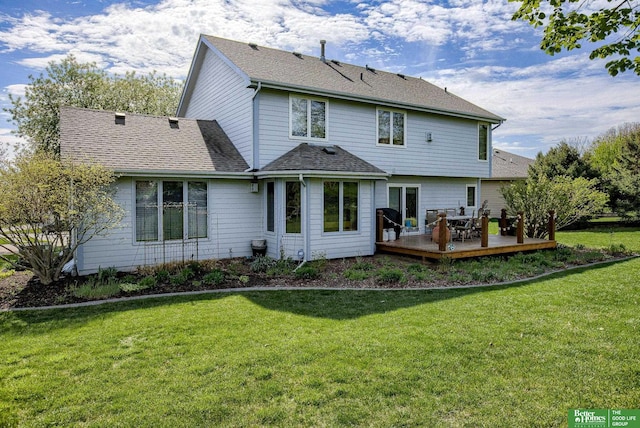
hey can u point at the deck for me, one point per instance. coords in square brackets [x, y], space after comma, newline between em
[422, 246]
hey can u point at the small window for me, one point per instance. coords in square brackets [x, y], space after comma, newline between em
[308, 118]
[483, 142]
[271, 207]
[391, 127]
[471, 196]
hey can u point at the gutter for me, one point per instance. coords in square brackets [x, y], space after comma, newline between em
[194, 174]
[322, 174]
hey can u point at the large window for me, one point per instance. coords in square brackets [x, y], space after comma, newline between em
[308, 118]
[293, 207]
[483, 142]
[404, 198]
[340, 206]
[178, 206]
[391, 127]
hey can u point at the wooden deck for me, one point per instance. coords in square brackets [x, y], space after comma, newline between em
[422, 246]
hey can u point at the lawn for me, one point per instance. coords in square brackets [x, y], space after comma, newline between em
[519, 355]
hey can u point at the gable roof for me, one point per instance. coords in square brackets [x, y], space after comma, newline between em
[505, 165]
[290, 71]
[307, 158]
[147, 144]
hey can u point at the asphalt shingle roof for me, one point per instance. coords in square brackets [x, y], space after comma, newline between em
[308, 157]
[508, 165]
[147, 143]
[277, 67]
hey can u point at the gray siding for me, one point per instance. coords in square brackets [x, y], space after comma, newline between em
[221, 94]
[452, 153]
[491, 192]
[341, 244]
[435, 193]
[234, 215]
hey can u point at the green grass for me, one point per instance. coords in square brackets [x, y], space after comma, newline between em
[602, 238]
[504, 356]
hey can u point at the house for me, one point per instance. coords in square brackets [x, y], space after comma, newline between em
[292, 149]
[505, 168]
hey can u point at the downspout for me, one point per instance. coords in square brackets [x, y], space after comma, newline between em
[306, 243]
[255, 158]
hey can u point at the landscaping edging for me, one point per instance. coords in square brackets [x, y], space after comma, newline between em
[291, 288]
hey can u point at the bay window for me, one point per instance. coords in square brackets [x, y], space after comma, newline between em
[340, 206]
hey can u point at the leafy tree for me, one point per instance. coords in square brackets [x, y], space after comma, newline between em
[564, 159]
[84, 85]
[571, 198]
[49, 207]
[614, 25]
[616, 155]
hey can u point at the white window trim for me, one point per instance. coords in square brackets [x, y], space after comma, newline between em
[478, 142]
[393, 111]
[404, 195]
[475, 196]
[185, 214]
[341, 207]
[326, 118]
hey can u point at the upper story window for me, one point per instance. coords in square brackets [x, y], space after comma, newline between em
[308, 117]
[483, 142]
[391, 127]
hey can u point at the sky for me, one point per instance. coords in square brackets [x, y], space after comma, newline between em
[472, 48]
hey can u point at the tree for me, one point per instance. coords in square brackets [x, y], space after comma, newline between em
[616, 155]
[571, 198]
[49, 207]
[71, 83]
[569, 23]
[564, 159]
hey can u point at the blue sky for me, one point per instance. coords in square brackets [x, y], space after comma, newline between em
[473, 48]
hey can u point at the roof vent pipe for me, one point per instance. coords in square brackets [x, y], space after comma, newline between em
[322, 57]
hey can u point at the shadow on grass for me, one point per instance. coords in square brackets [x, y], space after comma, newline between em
[330, 304]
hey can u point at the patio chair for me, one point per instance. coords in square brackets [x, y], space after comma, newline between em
[464, 229]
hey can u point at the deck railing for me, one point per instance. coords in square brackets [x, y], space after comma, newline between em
[484, 233]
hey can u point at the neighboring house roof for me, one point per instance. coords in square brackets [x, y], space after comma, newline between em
[291, 71]
[505, 165]
[327, 159]
[147, 144]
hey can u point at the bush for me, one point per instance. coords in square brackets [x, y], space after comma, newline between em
[93, 289]
[163, 276]
[262, 264]
[389, 275]
[307, 272]
[215, 277]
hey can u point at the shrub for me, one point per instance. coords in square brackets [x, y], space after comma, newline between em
[356, 275]
[93, 289]
[178, 279]
[262, 264]
[163, 276]
[215, 277]
[106, 274]
[388, 275]
[148, 282]
[307, 272]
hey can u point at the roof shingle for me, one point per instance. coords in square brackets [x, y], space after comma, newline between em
[277, 67]
[508, 165]
[147, 143]
[308, 157]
